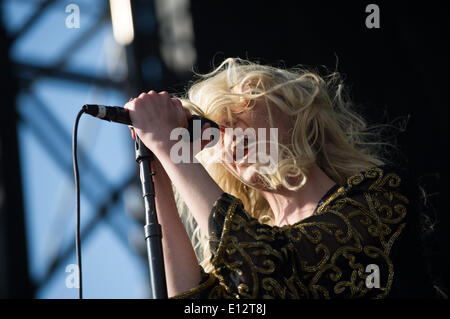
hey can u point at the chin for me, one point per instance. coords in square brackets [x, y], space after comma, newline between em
[250, 177]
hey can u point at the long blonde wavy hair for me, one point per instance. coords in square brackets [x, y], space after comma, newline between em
[328, 130]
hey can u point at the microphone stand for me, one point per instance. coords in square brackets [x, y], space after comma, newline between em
[153, 233]
[152, 228]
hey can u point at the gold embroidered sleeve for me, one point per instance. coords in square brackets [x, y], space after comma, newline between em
[210, 286]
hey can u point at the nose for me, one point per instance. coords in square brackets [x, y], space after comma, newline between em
[235, 144]
[227, 146]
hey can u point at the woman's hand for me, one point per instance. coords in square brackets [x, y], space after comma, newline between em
[154, 116]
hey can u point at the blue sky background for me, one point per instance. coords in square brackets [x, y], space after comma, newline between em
[111, 266]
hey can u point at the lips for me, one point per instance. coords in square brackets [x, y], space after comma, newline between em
[243, 161]
[243, 157]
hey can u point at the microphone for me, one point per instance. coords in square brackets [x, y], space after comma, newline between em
[121, 115]
[108, 113]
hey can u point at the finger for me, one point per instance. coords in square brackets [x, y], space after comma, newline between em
[128, 104]
[130, 100]
[178, 103]
[207, 125]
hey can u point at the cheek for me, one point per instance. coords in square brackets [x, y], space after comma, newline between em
[280, 132]
[224, 152]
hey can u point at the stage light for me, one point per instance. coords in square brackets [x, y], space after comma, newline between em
[176, 33]
[122, 21]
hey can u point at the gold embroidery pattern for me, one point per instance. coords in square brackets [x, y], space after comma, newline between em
[324, 256]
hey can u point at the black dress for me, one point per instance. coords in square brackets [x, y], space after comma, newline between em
[362, 241]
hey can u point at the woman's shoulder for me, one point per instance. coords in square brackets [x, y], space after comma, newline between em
[379, 178]
[384, 180]
[326, 255]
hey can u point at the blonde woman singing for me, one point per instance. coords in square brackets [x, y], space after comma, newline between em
[324, 217]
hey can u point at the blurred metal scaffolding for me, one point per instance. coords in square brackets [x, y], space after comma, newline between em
[145, 71]
[14, 277]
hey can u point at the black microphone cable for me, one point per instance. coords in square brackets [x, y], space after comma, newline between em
[77, 205]
[118, 115]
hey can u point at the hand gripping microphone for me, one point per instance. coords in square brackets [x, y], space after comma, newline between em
[120, 115]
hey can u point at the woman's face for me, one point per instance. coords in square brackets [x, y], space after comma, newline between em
[250, 139]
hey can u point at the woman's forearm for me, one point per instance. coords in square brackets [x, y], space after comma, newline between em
[198, 190]
[181, 265]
